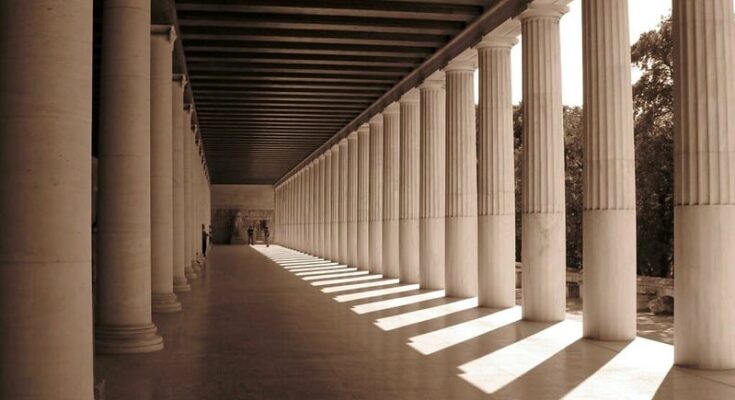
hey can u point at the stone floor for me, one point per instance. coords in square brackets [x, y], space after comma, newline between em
[303, 328]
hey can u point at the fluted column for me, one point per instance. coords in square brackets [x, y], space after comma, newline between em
[181, 284]
[124, 217]
[391, 177]
[544, 248]
[46, 200]
[704, 183]
[496, 181]
[363, 196]
[409, 175]
[186, 138]
[609, 220]
[194, 202]
[327, 210]
[163, 298]
[315, 191]
[343, 196]
[461, 189]
[432, 186]
[323, 201]
[309, 212]
[352, 199]
[376, 194]
[336, 199]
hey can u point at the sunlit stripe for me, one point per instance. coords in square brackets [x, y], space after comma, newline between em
[309, 262]
[306, 266]
[329, 271]
[345, 275]
[635, 373]
[347, 280]
[438, 340]
[415, 317]
[346, 288]
[397, 302]
[375, 293]
[319, 268]
[492, 372]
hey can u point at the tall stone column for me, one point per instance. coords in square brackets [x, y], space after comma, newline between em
[432, 186]
[352, 199]
[124, 216]
[496, 183]
[306, 226]
[704, 184]
[163, 298]
[543, 250]
[461, 189]
[410, 166]
[376, 194]
[314, 214]
[187, 140]
[180, 283]
[391, 177]
[363, 196]
[320, 211]
[343, 196]
[609, 220]
[327, 210]
[46, 200]
[336, 203]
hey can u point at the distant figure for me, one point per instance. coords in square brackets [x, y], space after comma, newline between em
[267, 233]
[205, 239]
[250, 235]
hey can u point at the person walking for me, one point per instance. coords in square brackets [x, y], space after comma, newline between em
[251, 240]
[267, 233]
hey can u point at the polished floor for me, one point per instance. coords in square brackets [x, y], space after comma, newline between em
[272, 323]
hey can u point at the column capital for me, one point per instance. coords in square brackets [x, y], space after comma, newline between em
[181, 79]
[352, 136]
[412, 96]
[504, 36]
[321, 157]
[364, 128]
[335, 147]
[377, 119]
[434, 81]
[167, 31]
[465, 61]
[343, 142]
[540, 9]
[392, 108]
[328, 152]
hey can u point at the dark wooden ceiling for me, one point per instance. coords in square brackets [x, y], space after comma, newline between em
[273, 80]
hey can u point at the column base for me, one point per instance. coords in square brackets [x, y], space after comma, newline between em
[190, 274]
[127, 339]
[196, 268]
[181, 285]
[165, 303]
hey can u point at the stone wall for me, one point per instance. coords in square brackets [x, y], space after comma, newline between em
[254, 202]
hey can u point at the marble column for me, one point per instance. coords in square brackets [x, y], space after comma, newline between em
[343, 196]
[320, 211]
[46, 200]
[352, 199]
[704, 188]
[163, 298]
[461, 174]
[543, 251]
[336, 200]
[376, 195]
[180, 283]
[432, 185]
[496, 180]
[410, 167]
[391, 178]
[124, 323]
[609, 220]
[363, 196]
[187, 144]
[327, 210]
[314, 214]
[306, 226]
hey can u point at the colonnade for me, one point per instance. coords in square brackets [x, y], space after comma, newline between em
[454, 185]
[152, 202]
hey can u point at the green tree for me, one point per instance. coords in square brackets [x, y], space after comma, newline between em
[653, 102]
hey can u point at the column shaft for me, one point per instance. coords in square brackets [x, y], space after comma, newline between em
[181, 284]
[544, 248]
[46, 200]
[336, 201]
[609, 181]
[363, 196]
[410, 165]
[432, 187]
[391, 177]
[327, 211]
[376, 195]
[496, 183]
[704, 184]
[352, 200]
[124, 297]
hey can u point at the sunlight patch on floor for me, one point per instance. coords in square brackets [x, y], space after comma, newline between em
[397, 302]
[343, 275]
[357, 286]
[347, 280]
[432, 342]
[317, 268]
[325, 271]
[343, 298]
[492, 372]
[415, 317]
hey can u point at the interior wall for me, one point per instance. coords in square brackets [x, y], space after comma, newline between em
[255, 203]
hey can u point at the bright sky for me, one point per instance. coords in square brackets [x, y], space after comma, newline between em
[644, 16]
